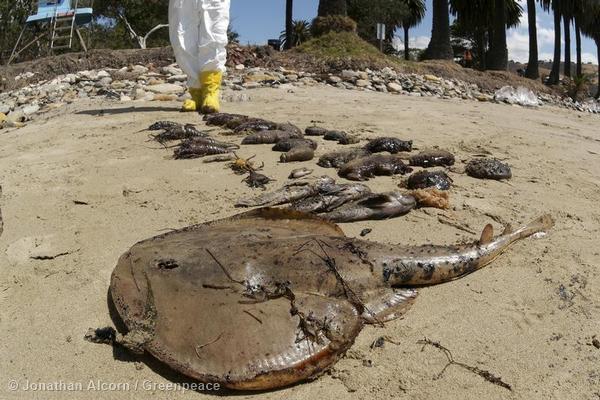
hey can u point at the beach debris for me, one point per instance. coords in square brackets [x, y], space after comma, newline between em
[105, 335]
[390, 144]
[225, 119]
[365, 232]
[302, 153]
[270, 137]
[198, 147]
[362, 169]
[331, 197]
[163, 125]
[271, 297]
[220, 158]
[488, 168]
[315, 131]
[488, 376]
[242, 165]
[256, 180]
[290, 192]
[178, 133]
[426, 179]
[300, 173]
[375, 206]
[286, 145]
[431, 197]
[335, 136]
[337, 159]
[520, 95]
[432, 158]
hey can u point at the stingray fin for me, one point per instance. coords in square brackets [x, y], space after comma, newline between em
[274, 214]
[383, 305]
[487, 235]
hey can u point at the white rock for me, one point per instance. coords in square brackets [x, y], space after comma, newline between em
[171, 70]
[394, 87]
[31, 109]
[177, 78]
[165, 88]
[240, 67]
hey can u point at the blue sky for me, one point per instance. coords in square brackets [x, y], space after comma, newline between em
[259, 20]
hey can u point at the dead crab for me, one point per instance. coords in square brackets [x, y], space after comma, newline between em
[242, 165]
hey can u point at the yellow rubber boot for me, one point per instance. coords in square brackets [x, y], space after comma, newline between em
[210, 82]
[191, 105]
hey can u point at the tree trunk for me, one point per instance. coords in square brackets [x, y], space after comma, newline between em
[598, 47]
[332, 7]
[289, 24]
[567, 68]
[406, 44]
[439, 47]
[554, 78]
[533, 70]
[499, 50]
[481, 49]
[578, 46]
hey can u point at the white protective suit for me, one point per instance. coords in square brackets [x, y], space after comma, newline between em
[198, 32]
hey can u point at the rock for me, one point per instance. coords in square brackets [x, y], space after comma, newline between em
[348, 75]
[394, 87]
[4, 108]
[177, 78]
[252, 85]
[170, 70]
[363, 75]
[334, 79]
[30, 109]
[165, 88]
[520, 95]
[259, 77]
[482, 97]
[125, 98]
[240, 67]
[432, 78]
[138, 69]
[362, 83]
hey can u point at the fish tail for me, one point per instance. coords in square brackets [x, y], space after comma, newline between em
[541, 224]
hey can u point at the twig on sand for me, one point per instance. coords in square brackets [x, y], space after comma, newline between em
[456, 225]
[488, 376]
[201, 346]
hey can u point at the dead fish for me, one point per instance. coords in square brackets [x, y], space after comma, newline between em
[268, 137]
[349, 139]
[361, 169]
[375, 206]
[337, 159]
[291, 192]
[426, 179]
[221, 119]
[288, 144]
[199, 150]
[298, 154]
[256, 126]
[219, 158]
[335, 135]
[331, 197]
[315, 131]
[488, 168]
[300, 173]
[432, 158]
[162, 125]
[389, 144]
[269, 298]
[178, 133]
[196, 141]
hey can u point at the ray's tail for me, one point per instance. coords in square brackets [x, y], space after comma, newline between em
[430, 265]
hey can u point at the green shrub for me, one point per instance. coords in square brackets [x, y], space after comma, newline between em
[332, 23]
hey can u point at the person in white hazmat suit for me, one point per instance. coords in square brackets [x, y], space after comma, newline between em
[198, 33]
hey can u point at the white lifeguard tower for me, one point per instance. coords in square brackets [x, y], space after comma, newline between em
[63, 17]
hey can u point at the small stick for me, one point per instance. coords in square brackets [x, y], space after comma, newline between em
[201, 346]
[456, 225]
[224, 270]
[253, 316]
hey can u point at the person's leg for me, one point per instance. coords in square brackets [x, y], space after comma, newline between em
[184, 22]
[212, 53]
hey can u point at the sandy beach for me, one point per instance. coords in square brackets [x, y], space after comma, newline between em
[81, 184]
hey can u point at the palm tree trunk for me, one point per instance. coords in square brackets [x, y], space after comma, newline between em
[439, 47]
[533, 70]
[567, 68]
[554, 78]
[289, 24]
[481, 49]
[332, 7]
[499, 50]
[578, 46]
[406, 44]
[598, 47]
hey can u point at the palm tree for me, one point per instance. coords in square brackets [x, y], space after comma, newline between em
[555, 6]
[332, 7]
[300, 34]
[533, 70]
[477, 16]
[590, 26]
[416, 13]
[498, 47]
[567, 10]
[439, 47]
[289, 23]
